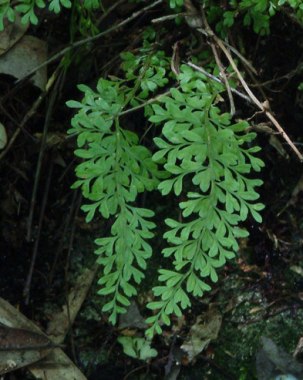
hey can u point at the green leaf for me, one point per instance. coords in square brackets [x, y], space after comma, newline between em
[154, 306]
[128, 346]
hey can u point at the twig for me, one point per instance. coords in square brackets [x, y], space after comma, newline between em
[216, 79]
[16, 123]
[64, 233]
[251, 71]
[29, 114]
[66, 267]
[77, 200]
[287, 76]
[240, 56]
[225, 80]
[150, 101]
[259, 104]
[167, 18]
[254, 99]
[26, 290]
[134, 371]
[39, 163]
[109, 10]
[91, 38]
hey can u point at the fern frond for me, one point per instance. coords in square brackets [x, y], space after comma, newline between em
[201, 145]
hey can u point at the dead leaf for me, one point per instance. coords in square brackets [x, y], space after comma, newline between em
[60, 322]
[231, 305]
[264, 128]
[20, 347]
[56, 365]
[132, 318]
[52, 138]
[175, 61]
[256, 309]
[23, 57]
[276, 144]
[11, 34]
[205, 330]
[193, 16]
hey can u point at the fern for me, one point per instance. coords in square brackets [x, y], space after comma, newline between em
[116, 168]
[207, 159]
[176, 3]
[27, 9]
[55, 5]
[256, 13]
[92, 4]
[201, 144]
[6, 12]
[150, 65]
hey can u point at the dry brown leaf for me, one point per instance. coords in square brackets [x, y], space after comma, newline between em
[61, 366]
[23, 57]
[205, 330]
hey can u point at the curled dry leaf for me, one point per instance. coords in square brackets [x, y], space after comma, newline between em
[175, 61]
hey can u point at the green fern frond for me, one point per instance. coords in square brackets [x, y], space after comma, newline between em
[115, 169]
[201, 145]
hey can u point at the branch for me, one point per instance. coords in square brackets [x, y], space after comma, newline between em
[91, 38]
[208, 31]
[216, 79]
[225, 80]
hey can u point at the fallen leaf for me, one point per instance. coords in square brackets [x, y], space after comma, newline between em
[132, 318]
[11, 34]
[276, 144]
[175, 61]
[19, 348]
[23, 57]
[256, 309]
[205, 330]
